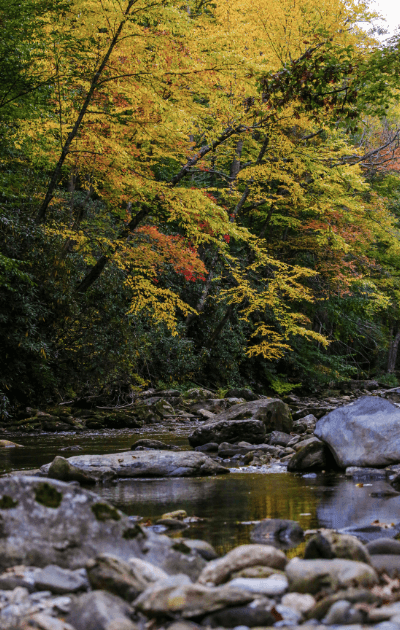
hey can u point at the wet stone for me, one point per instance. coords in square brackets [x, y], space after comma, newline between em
[178, 596]
[256, 614]
[386, 546]
[219, 571]
[343, 613]
[58, 580]
[388, 563]
[273, 586]
[100, 610]
[278, 438]
[311, 576]
[116, 576]
[275, 530]
[330, 544]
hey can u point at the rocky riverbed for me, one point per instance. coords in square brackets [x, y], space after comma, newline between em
[71, 559]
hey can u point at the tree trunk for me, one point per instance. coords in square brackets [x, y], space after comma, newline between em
[98, 268]
[393, 348]
[235, 166]
[41, 215]
[202, 301]
[219, 328]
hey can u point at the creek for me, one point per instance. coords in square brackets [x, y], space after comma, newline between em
[228, 505]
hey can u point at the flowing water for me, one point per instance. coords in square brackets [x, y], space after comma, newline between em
[228, 505]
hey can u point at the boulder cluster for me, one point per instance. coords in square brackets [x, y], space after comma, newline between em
[70, 561]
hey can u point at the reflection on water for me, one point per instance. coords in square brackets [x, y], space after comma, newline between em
[351, 506]
[228, 503]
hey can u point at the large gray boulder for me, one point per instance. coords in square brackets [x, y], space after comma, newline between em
[150, 463]
[250, 430]
[45, 521]
[364, 433]
[248, 421]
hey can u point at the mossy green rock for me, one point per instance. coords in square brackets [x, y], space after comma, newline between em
[146, 414]
[164, 409]
[198, 394]
[63, 470]
[53, 523]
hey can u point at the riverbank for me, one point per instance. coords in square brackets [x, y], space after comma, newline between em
[174, 408]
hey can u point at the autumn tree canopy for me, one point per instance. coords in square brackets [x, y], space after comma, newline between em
[195, 191]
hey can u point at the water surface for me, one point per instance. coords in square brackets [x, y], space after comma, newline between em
[230, 504]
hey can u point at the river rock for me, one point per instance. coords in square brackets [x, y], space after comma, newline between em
[202, 547]
[278, 438]
[314, 456]
[8, 444]
[329, 544]
[228, 431]
[342, 613]
[147, 571]
[363, 433]
[272, 586]
[390, 564]
[258, 571]
[178, 596]
[63, 470]
[114, 575]
[395, 482]
[57, 580]
[277, 531]
[309, 421]
[257, 614]
[219, 571]
[386, 546]
[392, 394]
[164, 409]
[41, 621]
[148, 464]
[100, 610]
[246, 421]
[206, 415]
[197, 394]
[241, 392]
[310, 576]
[300, 602]
[210, 447]
[305, 442]
[49, 522]
[18, 609]
[213, 405]
[153, 444]
[353, 595]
